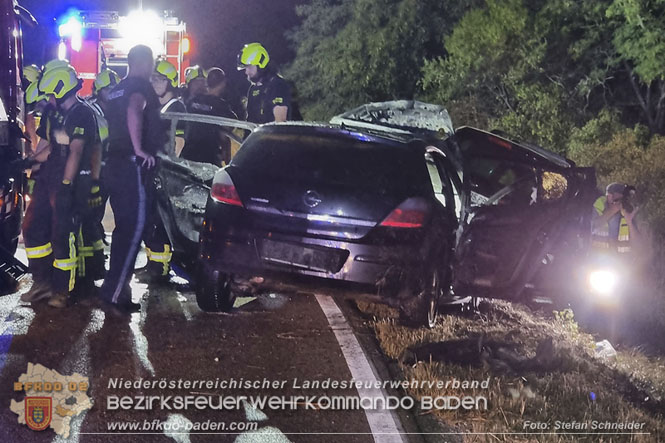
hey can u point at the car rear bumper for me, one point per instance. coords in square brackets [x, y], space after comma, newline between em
[244, 253]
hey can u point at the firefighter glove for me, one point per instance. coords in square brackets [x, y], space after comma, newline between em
[95, 198]
[22, 164]
[30, 186]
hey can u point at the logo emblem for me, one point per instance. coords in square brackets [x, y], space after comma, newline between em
[38, 412]
[311, 199]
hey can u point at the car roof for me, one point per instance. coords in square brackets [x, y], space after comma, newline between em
[400, 117]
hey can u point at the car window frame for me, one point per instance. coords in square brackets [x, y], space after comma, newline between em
[176, 117]
[450, 178]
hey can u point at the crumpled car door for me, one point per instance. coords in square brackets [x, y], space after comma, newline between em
[183, 187]
[523, 207]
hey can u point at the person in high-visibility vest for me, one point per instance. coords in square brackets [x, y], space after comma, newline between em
[613, 224]
[60, 200]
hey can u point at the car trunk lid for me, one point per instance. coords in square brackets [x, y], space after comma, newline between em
[330, 183]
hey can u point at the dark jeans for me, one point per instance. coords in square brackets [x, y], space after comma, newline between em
[125, 184]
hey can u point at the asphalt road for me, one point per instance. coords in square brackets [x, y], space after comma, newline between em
[278, 336]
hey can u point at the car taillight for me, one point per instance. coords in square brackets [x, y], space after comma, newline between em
[223, 190]
[410, 214]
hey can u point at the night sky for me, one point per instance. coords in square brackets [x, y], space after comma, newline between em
[218, 28]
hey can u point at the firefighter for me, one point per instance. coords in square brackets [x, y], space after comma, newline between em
[613, 226]
[269, 96]
[164, 81]
[195, 81]
[204, 143]
[31, 75]
[61, 192]
[102, 87]
[92, 236]
[36, 104]
[135, 136]
[104, 83]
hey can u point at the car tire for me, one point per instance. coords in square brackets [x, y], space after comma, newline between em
[424, 308]
[432, 299]
[214, 293]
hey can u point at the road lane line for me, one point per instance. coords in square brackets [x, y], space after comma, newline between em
[382, 423]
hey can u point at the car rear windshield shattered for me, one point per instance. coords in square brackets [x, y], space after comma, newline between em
[355, 160]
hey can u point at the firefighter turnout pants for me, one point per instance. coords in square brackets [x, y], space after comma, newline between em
[157, 245]
[90, 243]
[50, 240]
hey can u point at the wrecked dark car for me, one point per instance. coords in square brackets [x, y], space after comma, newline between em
[387, 196]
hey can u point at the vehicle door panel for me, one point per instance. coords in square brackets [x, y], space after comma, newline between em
[519, 209]
[182, 190]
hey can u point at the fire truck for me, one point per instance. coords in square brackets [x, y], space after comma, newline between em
[12, 143]
[94, 40]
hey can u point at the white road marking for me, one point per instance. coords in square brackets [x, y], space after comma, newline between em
[382, 423]
[78, 360]
[268, 434]
[179, 424]
[252, 413]
[140, 341]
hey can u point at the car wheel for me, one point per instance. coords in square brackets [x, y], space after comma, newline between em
[213, 292]
[424, 308]
[432, 297]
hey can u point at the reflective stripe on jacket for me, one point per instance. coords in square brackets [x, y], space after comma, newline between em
[600, 238]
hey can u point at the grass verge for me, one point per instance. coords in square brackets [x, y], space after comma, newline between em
[543, 372]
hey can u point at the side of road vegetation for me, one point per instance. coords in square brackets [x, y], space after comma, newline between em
[541, 370]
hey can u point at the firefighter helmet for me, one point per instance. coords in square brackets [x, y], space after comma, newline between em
[59, 82]
[169, 71]
[31, 73]
[105, 79]
[253, 54]
[55, 63]
[33, 94]
[194, 72]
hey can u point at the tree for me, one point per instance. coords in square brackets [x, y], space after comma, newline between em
[494, 58]
[640, 45]
[350, 52]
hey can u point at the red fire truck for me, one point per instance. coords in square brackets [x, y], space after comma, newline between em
[92, 40]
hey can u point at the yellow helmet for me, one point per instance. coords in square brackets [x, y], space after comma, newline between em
[194, 72]
[253, 54]
[31, 73]
[33, 94]
[104, 79]
[59, 81]
[169, 71]
[55, 63]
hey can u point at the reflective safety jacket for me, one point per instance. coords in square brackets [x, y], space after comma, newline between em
[600, 238]
[102, 124]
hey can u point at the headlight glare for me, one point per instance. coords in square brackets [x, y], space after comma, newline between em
[603, 282]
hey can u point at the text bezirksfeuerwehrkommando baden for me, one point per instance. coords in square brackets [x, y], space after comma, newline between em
[295, 383]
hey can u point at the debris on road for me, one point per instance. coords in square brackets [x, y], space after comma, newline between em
[605, 350]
